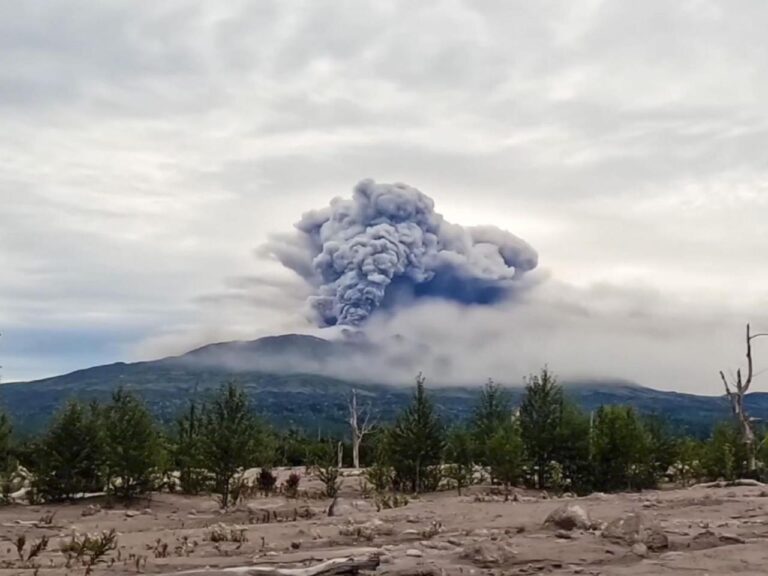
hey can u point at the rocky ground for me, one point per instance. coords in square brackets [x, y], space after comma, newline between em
[682, 531]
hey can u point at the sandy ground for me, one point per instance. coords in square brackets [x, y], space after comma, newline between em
[711, 531]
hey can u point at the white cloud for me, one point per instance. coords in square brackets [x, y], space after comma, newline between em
[148, 148]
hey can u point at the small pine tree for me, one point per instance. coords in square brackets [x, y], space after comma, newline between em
[505, 455]
[659, 454]
[132, 446]
[325, 468]
[266, 481]
[459, 456]
[540, 417]
[724, 454]
[688, 465]
[72, 455]
[186, 451]
[493, 410]
[621, 449]
[229, 436]
[416, 443]
[6, 459]
[291, 486]
[572, 451]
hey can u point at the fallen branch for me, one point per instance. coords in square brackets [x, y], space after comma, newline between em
[731, 484]
[333, 567]
[412, 571]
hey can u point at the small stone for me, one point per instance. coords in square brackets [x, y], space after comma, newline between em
[90, 510]
[640, 549]
[564, 534]
[413, 553]
[732, 539]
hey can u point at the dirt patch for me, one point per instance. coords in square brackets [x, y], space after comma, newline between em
[433, 534]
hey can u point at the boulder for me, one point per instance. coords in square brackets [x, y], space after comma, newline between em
[569, 517]
[633, 528]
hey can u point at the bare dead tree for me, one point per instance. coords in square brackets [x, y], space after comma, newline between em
[736, 394]
[360, 423]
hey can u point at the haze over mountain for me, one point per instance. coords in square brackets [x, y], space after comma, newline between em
[288, 379]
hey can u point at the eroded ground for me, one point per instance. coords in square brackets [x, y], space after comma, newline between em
[710, 530]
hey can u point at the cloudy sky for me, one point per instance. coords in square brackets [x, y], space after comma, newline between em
[150, 148]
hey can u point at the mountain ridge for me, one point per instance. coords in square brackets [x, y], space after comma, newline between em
[284, 376]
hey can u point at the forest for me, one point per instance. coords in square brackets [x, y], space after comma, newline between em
[545, 442]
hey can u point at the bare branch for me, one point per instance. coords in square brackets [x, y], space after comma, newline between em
[358, 429]
[725, 381]
[736, 396]
[750, 367]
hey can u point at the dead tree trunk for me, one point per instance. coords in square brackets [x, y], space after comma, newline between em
[360, 425]
[736, 396]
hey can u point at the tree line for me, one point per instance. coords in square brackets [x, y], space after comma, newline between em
[547, 442]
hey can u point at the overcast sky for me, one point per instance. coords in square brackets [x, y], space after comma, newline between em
[149, 148]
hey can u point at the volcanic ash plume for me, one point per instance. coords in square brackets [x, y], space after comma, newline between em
[387, 245]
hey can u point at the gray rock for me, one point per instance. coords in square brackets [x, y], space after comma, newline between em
[488, 554]
[345, 507]
[90, 510]
[633, 528]
[414, 553]
[569, 517]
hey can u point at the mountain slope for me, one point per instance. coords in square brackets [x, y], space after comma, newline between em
[283, 376]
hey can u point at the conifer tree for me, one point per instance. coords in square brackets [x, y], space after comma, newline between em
[493, 410]
[132, 444]
[572, 451]
[540, 417]
[228, 438]
[620, 448]
[459, 456]
[72, 455]
[5, 443]
[505, 455]
[416, 443]
[187, 450]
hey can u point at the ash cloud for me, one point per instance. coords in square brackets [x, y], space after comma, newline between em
[387, 246]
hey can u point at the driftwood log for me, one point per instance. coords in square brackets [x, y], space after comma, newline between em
[334, 567]
[731, 484]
